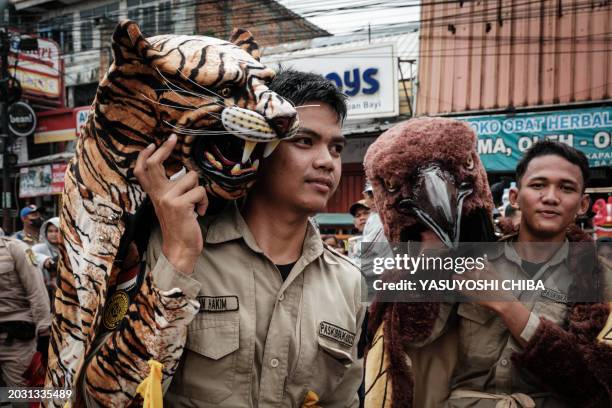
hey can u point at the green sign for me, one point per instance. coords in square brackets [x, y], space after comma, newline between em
[502, 139]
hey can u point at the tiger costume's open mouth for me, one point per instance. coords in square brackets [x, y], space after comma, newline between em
[244, 138]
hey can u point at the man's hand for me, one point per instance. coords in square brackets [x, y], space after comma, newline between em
[175, 203]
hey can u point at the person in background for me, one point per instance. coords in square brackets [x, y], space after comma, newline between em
[334, 243]
[24, 311]
[360, 211]
[47, 253]
[32, 221]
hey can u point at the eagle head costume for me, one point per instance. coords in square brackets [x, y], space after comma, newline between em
[214, 96]
[426, 175]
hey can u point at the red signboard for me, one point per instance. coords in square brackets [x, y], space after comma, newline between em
[60, 124]
[58, 171]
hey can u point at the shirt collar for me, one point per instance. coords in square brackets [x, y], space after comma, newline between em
[230, 225]
[558, 257]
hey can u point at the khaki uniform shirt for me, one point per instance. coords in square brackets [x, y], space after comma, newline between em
[485, 343]
[259, 341]
[23, 296]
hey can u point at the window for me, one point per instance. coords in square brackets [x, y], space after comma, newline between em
[152, 18]
[59, 29]
[91, 17]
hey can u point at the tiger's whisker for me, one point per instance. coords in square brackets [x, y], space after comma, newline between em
[169, 83]
[165, 104]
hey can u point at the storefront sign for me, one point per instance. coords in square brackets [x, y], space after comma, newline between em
[367, 75]
[502, 139]
[21, 119]
[41, 180]
[60, 124]
[39, 72]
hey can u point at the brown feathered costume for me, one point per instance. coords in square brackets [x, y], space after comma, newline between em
[426, 174]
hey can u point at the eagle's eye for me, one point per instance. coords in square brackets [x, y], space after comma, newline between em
[225, 92]
[391, 187]
[469, 163]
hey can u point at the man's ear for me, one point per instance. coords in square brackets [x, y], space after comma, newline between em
[584, 204]
[513, 197]
[244, 39]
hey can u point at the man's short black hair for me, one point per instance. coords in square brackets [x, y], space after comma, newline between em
[300, 87]
[549, 147]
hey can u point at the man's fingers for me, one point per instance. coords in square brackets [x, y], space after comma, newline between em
[196, 197]
[184, 184]
[163, 152]
[140, 167]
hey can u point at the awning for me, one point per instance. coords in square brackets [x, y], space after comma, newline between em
[63, 157]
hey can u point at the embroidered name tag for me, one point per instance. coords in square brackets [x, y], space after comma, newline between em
[554, 295]
[338, 334]
[218, 303]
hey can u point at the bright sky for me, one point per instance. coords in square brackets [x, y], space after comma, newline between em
[340, 16]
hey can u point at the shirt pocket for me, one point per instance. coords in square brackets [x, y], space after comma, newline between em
[8, 276]
[552, 311]
[331, 363]
[208, 369]
[479, 334]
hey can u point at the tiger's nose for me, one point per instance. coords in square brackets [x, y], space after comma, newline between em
[282, 125]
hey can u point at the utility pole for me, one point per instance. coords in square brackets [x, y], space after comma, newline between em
[4, 131]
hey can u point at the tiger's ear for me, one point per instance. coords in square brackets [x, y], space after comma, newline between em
[244, 39]
[128, 39]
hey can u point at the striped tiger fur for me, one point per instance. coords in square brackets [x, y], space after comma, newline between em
[213, 94]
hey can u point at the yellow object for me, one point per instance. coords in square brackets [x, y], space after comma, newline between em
[311, 400]
[606, 334]
[151, 388]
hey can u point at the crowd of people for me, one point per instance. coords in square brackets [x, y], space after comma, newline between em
[265, 261]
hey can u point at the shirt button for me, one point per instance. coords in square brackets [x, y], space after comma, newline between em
[504, 362]
[281, 297]
[274, 363]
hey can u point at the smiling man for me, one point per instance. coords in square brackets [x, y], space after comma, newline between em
[280, 313]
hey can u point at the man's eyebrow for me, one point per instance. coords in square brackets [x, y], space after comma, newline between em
[564, 180]
[317, 135]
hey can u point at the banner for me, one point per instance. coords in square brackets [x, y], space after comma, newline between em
[502, 139]
[42, 180]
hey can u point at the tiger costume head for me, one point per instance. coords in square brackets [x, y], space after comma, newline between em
[213, 94]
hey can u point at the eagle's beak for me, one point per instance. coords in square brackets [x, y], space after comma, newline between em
[437, 201]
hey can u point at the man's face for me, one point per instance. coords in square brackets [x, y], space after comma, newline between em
[361, 216]
[304, 172]
[550, 196]
[33, 219]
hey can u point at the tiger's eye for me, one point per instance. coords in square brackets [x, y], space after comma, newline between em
[226, 92]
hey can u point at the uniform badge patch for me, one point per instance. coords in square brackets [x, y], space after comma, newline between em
[218, 303]
[115, 309]
[554, 295]
[30, 257]
[336, 333]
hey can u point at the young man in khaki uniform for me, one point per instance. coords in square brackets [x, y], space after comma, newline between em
[280, 313]
[24, 309]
